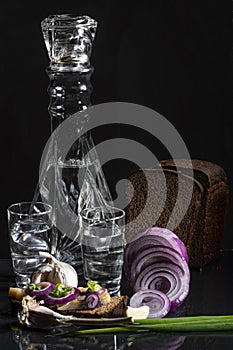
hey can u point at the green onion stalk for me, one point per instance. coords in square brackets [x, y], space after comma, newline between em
[179, 324]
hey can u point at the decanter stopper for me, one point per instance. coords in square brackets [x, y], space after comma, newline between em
[69, 39]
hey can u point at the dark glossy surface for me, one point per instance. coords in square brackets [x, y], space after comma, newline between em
[211, 293]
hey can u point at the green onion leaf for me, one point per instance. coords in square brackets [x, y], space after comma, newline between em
[179, 324]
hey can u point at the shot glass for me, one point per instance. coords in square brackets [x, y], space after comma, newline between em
[30, 232]
[102, 242]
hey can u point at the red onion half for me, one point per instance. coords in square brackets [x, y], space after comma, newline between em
[167, 277]
[151, 236]
[156, 259]
[157, 301]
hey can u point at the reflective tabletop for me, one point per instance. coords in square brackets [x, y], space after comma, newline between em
[211, 293]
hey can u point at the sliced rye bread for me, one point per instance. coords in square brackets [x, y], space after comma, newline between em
[202, 226]
[116, 308]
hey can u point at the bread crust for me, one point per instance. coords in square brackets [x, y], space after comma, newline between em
[202, 227]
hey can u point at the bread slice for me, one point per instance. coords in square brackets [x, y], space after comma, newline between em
[202, 226]
[115, 308]
[16, 294]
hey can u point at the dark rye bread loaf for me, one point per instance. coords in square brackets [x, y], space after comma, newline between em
[202, 225]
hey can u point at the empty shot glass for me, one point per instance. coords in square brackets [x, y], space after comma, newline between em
[102, 242]
[30, 232]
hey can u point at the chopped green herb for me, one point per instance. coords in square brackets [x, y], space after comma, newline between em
[33, 286]
[93, 286]
[60, 291]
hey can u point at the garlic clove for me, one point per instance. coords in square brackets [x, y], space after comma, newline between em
[55, 271]
[42, 273]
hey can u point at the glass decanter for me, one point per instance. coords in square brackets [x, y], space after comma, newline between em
[68, 40]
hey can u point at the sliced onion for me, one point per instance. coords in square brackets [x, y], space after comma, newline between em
[157, 301]
[147, 263]
[49, 299]
[155, 253]
[167, 277]
[92, 300]
[100, 291]
[46, 288]
[152, 236]
[150, 278]
[156, 259]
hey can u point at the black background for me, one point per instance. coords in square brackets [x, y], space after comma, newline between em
[173, 56]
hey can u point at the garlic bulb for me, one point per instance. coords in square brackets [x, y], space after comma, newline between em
[55, 271]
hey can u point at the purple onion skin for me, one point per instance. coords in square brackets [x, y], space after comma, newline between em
[63, 300]
[183, 249]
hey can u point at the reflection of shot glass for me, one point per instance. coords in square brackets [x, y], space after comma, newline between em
[30, 232]
[103, 240]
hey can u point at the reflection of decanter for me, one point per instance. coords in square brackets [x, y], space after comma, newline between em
[69, 40]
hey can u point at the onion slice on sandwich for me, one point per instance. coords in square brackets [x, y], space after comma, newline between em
[39, 289]
[157, 301]
[100, 291]
[53, 298]
[92, 300]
